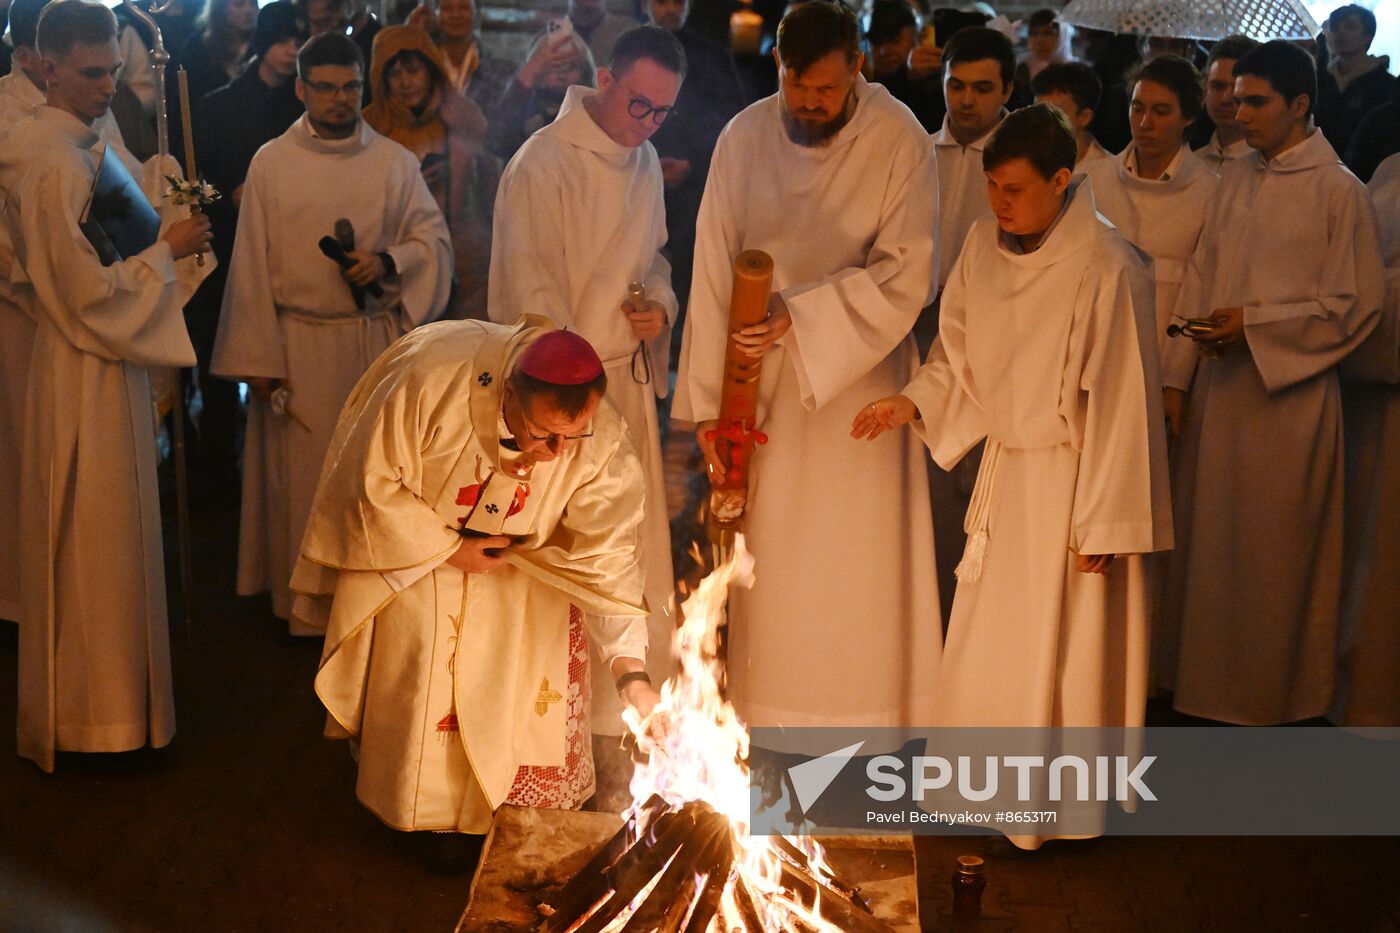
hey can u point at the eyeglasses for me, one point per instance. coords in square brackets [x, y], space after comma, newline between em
[640, 108]
[326, 89]
[549, 438]
[552, 438]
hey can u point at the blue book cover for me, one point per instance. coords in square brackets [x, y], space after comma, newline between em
[119, 222]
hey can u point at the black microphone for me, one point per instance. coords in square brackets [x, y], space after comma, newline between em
[345, 236]
[334, 251]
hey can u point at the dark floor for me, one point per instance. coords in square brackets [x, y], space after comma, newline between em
[249, 822]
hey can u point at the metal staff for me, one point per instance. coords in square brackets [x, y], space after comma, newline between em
[159, 59]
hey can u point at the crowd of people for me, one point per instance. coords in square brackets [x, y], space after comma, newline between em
[1133, 296]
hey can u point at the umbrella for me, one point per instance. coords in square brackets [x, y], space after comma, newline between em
[1196, 19]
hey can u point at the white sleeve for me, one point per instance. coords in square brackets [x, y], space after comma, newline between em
[618, 636]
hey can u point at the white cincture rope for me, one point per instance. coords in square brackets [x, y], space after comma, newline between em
[979, 512]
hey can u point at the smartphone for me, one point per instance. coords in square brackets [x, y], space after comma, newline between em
[559, 30]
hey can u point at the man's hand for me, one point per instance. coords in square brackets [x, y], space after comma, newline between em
[423, 18]
[1228, 330]
[471, 556]
[647, 323]
[757, 340]
[642, 697]
[552, 55]
[1174, 404]
[1093, 563]
[925, 61]
[433, 172]
[674, 171]
[261, 387]
[714, 466]
[885, 415]
[367, 270]
[189, 236]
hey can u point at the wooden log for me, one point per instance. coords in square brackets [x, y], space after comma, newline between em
[748, 913]
[717, 864]
[638, 865]
[590, 884]
[669, 901]
[800, 860]
[834, 907]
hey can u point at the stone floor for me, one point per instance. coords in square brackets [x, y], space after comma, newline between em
[248, 822]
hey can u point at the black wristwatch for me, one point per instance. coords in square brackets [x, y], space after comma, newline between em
[390, 269]
[631, 678]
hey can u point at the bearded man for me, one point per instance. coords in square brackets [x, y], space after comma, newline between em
[836, 180]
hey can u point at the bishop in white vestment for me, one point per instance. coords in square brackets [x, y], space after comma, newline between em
[467, 690]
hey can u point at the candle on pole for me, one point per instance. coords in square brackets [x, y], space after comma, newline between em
[190, 176]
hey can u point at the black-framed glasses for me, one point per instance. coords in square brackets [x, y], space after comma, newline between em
[327, 89]
[640, 108]
[551, 438]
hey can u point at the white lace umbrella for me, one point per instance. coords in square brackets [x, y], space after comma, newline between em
[1196, 19]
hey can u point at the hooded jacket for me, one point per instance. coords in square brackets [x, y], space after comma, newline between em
[448, 136]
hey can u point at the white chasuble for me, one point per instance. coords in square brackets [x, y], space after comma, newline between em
[578, 219]
[416, 456]
[1368, 686]
[842, 625]
[1162, 217]
[1050, 357]
[288, 315]
[94, 671]
[1255, 582]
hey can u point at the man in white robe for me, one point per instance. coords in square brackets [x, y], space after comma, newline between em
[94, 672]
[475, 526]
[1156, 192]
[836, 181]
[1368, 686]
[1046, 350]
[979, 67]
[1227, 142]
[20, 92]
[294, 325]
[579, 217]
[1289, 271]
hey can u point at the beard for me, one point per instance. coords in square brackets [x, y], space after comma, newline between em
[816, 134]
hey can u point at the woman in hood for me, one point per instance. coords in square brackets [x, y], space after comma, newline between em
[415, 106]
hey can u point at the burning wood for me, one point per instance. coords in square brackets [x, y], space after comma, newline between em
[675, 874]
[684, 862]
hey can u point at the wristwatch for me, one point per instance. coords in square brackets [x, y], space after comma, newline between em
[390, 269]
[631, 678]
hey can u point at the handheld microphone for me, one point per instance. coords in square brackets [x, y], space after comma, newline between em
[345, 234]
[336, 253]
